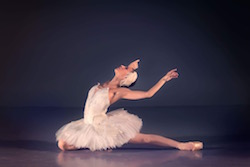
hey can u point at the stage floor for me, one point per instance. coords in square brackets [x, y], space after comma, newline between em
[27, 138]
[39, 154]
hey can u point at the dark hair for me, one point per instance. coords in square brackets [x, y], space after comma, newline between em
[130, 85]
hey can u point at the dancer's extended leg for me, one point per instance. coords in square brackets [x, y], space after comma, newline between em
[141, 138]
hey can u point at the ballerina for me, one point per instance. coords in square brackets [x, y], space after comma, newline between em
[99, 130]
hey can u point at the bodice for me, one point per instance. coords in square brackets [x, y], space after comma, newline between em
[97, 103]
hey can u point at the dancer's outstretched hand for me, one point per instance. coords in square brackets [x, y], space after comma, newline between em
[170, 75]
[134, 65]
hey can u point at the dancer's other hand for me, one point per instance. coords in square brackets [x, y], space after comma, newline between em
[170, 75]
[134, 65]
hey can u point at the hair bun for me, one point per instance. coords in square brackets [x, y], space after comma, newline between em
[129, 79]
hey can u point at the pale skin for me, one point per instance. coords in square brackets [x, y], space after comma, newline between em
[116, 93]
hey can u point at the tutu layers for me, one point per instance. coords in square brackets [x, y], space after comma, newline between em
[110, 131]
[98, 130]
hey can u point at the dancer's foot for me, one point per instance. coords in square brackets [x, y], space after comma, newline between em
[61, 144]
[191, 146]
[64, 146]
[69, 147]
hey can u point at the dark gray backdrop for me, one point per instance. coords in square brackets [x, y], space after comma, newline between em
[52, 53]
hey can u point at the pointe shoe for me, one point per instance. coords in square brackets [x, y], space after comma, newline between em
[197, 145]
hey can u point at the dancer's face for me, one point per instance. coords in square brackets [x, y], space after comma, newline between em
[121, 71]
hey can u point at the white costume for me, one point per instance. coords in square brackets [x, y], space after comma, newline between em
[99, 130]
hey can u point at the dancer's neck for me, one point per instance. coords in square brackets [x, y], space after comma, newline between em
[113, 83]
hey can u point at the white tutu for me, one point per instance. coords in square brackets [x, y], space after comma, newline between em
[106, 131]
[99, 130]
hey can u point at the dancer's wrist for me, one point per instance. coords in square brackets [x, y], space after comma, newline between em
[163, 80]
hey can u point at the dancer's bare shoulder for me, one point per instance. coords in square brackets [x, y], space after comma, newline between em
[116, 93]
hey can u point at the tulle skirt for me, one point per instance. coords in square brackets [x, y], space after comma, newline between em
[106, 131]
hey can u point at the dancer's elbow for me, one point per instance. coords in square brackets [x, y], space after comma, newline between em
[149, 94]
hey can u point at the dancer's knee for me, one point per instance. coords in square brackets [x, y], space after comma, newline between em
[146, 139]
[141, 138]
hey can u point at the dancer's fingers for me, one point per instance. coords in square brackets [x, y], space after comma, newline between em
[175, 69]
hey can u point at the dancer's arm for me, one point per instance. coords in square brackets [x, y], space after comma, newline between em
[136, 95]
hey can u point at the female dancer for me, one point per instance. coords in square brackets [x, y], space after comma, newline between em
[99, 130]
